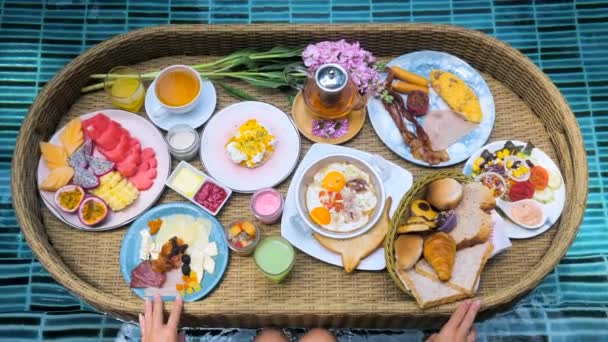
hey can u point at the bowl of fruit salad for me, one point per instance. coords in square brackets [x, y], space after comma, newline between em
[242, 237]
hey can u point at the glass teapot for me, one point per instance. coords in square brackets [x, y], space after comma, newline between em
[329, 93]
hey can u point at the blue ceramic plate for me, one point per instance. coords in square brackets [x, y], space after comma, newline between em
[421, 63]
[129, 251]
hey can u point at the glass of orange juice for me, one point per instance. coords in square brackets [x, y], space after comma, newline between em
[125, 88]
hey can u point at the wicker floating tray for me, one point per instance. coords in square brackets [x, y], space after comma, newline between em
[528, 106]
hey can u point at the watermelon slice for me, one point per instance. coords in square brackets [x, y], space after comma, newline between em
[127, 168]
[148, 153]
[152, 162]
[119, 152]
[95, 126]
[144, 180]
[110, 138]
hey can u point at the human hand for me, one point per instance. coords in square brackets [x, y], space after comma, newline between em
[152, 323]
[460, 326]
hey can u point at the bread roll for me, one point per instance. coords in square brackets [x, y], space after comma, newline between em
[408, 249]
[444, 194]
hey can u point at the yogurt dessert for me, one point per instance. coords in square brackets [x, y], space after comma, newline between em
[251, 145]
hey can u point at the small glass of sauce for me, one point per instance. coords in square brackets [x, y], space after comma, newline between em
[183, 141]
[267, 205]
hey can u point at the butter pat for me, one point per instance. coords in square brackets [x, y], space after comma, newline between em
[187, 182]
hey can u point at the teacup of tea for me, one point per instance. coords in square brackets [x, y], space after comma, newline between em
[178, 88]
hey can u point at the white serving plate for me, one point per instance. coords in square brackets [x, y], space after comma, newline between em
[148, 136]
[553, 210]
[241, 179]
[397, 182]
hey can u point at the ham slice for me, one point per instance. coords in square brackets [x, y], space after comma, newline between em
[144, 276]
[445, 127]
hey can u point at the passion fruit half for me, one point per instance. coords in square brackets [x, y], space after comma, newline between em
[93, 210]
[69, 198]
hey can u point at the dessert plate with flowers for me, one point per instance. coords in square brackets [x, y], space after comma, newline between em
[249, 146]
[174, 248]
[523, 175]
[422, 63]
[194, 118]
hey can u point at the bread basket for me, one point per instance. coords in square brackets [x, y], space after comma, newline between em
[417, 191]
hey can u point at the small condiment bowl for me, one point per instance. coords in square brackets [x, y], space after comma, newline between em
[206, 179]
[243, 251]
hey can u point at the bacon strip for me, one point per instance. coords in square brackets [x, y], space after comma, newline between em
[419, 142]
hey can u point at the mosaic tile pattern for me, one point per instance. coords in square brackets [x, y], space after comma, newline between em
[567, 39]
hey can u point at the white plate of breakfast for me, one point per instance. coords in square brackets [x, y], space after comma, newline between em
[103, 169]
[249, 146]
[528, 185]
[445, 97]
[367, 253]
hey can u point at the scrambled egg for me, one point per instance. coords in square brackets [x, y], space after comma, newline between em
[457, 94]
[341, 197]
[251, 145]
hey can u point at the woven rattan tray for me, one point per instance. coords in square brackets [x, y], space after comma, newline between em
[528, 106]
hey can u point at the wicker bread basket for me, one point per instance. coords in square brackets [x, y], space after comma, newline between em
[402, 212]
[528, 106]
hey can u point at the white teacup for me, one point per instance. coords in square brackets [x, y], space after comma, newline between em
[188, 106]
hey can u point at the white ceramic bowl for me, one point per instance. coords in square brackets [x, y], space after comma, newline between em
[306, 178]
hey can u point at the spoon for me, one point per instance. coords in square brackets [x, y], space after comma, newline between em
[506, 208]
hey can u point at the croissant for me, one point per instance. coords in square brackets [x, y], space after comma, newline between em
[440, 252]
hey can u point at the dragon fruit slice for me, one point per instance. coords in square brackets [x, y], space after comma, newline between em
[78, 159]
[87, 147]
[100, 166]
[85, 178]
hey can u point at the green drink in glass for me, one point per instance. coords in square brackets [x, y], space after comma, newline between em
[275, 257]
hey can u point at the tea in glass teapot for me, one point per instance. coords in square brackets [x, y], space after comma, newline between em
[329, 93]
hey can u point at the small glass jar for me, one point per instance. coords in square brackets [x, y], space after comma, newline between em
[184, 142]
[267, 205]
[233, 237]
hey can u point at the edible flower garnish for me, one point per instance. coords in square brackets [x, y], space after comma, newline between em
[155, 225]
[330, 129]
[357, 61]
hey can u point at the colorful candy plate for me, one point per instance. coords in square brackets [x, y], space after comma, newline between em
[148, 136]
[553, 210]
[421, 63]
[129, 251]
[225, 123]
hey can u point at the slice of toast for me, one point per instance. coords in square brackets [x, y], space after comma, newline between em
[355, 249]
[427, 291]
[467, 269]
[474, 221]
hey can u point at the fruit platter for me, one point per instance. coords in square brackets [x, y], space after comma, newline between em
[417, 210]
[103, 169]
